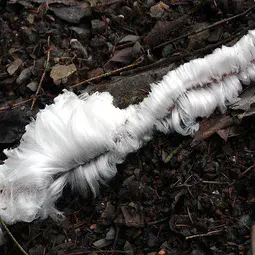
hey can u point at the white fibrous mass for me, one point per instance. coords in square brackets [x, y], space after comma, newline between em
[79, 140]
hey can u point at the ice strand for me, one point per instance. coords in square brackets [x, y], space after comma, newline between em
[79, 140]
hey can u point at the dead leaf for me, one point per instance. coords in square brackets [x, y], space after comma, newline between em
[210, 126]
[122, 56]
[132, 217]
[163, 29]
[60, 73]
[125, 56]
[229, 132]
[246, 100]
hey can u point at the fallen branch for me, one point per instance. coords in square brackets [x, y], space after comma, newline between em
[80, 139]
[173, 59]
[137, 62]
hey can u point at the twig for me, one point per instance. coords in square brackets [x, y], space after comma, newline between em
[206, 234]
[138, 61]
[215, 182]
[173, 59]
[15, 105]
[12, 237]
[205, 28]
[12, 106]
[247, 170]
[174, 152]
[43, 75]
[190, 215]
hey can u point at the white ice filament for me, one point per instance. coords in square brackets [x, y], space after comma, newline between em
[79, 140]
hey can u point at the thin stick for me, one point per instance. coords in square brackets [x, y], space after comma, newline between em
[43, 76]
[205, 28]
[138, 61]
[12, 237]
[247, 170]
[173, 59]
[12, 106]
[173, 153]
[206, 234]
[190, 215]
[15, 105]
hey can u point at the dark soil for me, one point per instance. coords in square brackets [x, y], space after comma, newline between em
[200, 200]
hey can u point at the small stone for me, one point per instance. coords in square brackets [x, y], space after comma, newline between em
[24, 75]
[129, 38]
[76, 45]
[167, 51]
[83, 33]
[98, 26]
[157, 12]
[110, 234]
[215, 35]
[15, 65]
[31, 18]
[226, 35]
[72, 14]
[33, 86]
[102, 243]
[126, 12]
[120, 19]
[246, 220]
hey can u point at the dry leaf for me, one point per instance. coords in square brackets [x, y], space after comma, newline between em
[246, 100]
[210, 126]
[60, 73]
[163, 29]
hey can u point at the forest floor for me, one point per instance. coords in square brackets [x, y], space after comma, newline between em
[177, 195]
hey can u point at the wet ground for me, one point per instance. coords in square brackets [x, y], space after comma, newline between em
[177, 195]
